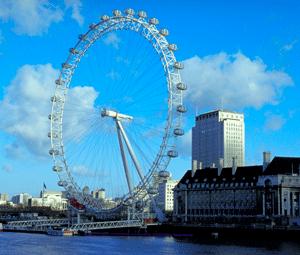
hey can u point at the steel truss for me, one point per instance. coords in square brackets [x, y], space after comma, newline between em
[148, 30]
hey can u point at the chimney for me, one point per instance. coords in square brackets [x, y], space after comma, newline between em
[266, 159]
[234, 166]
[220, 166]
[200, 165]
[194, 167]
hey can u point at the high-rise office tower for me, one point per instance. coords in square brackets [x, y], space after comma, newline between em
[218, 139]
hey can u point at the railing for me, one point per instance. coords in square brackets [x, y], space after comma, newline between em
[106, 225]
[34, 224]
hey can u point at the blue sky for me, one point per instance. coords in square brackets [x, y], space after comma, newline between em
[243, 55]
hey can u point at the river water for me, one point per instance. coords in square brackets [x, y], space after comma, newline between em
[31, 244]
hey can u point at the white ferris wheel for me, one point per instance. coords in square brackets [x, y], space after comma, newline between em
[117, 134]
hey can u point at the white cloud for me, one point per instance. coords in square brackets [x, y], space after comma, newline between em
[274, 122]
[232, 81]
[14, 151]
[26, 105]
[79, 111]
[114, 75]
[112, 39]
[75, 5]
[7, 168]
[31, 17]
[289, 46]
[83, 171]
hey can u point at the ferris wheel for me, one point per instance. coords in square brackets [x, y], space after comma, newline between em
[118, 133]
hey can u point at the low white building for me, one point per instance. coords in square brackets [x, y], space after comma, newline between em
[53, 199]
[4, 197]
[99, 194]
[165, 197]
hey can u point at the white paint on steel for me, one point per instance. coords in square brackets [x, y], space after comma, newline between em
[171, 67]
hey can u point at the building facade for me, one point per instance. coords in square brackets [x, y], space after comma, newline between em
[165, 197]
[99, 194]
[4, 197]
[217, 138]
[21, 199]
[239, 193]
[53, 199]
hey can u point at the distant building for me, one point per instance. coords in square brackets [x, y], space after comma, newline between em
[99, 194]
[165, 198]
[4, 197]
[218, 139]
[21, 199]
[242, 193]
[53, 199]
[165, 195]
[35, 202]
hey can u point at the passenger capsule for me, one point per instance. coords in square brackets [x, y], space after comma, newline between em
[66, 66]
[52, 117]
[172, 47]
[164, 174]
[53, 152]
[93, 26]
[105, 17]
[178, 65]
[59, 81]
[55, 99]
[82, 37]
[172, 153]
[142, 14]
[181, 86]
[129, 12]
[164, 32]
[181, 108]
[178, 131]
[154, 21]
[74, 51]
[152, 191]
[54, 135]
[57, 168]
[117, 13]
[62, 183]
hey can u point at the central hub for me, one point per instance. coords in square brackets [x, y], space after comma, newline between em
[115, 115]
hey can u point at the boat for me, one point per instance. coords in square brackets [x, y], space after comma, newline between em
[60, 232]
[1, 227]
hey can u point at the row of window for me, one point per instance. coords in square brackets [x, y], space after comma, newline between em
[221, 185]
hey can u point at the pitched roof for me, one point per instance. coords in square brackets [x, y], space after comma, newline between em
[279, 165]
[283, 165]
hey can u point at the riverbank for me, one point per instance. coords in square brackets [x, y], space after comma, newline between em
[233, 231]
[214, 231]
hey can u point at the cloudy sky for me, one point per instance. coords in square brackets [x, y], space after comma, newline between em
[242, 56]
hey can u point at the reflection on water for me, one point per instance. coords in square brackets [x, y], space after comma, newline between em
[21, 244]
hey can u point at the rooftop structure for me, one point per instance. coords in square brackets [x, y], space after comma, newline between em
[268, 190]
[218, 139]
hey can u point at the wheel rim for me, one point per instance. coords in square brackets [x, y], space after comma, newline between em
[171, 67]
